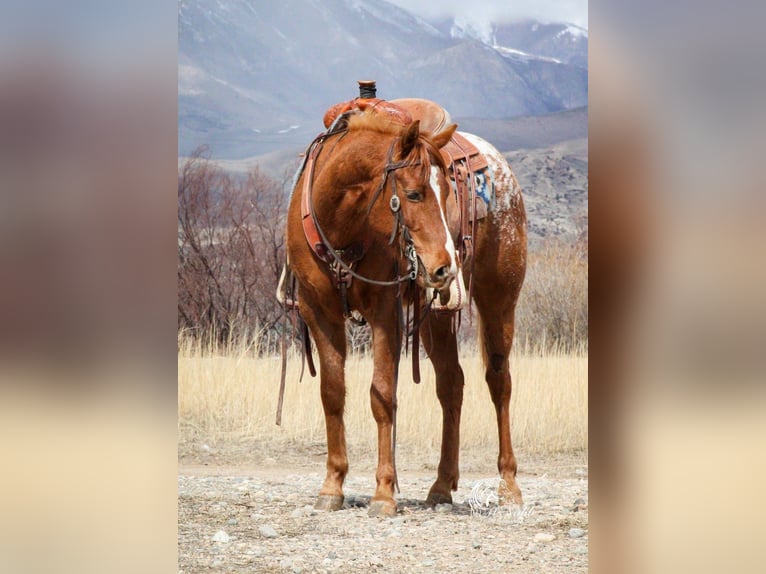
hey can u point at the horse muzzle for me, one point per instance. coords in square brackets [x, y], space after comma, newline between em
[447, 282]
[437, 279]
[450, 297]
[440, 278]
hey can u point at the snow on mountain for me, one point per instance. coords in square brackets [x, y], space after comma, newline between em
[523, 56]
[574, 31]
[567, 43]
[463, 26]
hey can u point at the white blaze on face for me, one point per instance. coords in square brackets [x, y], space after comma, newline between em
[456, 287]
[448, 244]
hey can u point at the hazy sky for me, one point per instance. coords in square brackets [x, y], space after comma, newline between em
[574, 11]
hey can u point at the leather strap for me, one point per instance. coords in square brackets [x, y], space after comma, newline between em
[416, 337]
[350, 254]
[309, 225]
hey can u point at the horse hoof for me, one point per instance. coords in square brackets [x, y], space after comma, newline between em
[509, 494]
[382, 508]
[329, 502]
[435, 498]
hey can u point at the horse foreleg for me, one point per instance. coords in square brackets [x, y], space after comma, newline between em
[382, 401]
[441, 345]
[497, 334]
[330, 338]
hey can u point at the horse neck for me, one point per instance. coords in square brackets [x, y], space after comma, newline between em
[340, 199]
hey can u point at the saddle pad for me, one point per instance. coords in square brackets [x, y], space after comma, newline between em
[485, 186]
[485, 190]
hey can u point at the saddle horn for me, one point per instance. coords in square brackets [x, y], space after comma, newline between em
[367, 89]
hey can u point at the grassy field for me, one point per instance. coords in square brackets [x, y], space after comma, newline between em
[230, 397]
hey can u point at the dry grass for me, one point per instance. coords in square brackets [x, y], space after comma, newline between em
[553, 305]
[231, 396]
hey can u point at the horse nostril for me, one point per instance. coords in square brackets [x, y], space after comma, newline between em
[442, 273]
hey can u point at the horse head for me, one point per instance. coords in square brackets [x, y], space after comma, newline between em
[422, 188]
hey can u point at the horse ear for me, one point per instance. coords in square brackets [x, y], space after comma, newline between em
[409, 138]
[442, 138]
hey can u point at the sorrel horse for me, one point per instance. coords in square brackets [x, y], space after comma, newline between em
[368, 233]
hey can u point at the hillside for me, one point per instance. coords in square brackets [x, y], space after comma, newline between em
[554, 180]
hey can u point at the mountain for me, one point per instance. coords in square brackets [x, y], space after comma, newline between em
[554, 182]
[256, 76]
[565, 43]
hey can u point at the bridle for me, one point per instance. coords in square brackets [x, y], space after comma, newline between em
[342, 269]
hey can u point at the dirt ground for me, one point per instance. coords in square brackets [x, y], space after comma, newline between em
[240, 513]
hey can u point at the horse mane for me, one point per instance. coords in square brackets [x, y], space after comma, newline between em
[375, 122]
[424, 153]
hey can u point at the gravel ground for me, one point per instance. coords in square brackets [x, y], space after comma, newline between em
[234, 518]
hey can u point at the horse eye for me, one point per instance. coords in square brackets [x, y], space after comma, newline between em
[414, 195]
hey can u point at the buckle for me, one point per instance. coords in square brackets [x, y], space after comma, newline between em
[412, 257]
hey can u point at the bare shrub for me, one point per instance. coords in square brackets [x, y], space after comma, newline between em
[359, 337]
[553, 306]
[230, 251]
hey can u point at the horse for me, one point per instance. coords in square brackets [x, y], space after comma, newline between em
[367, 235]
